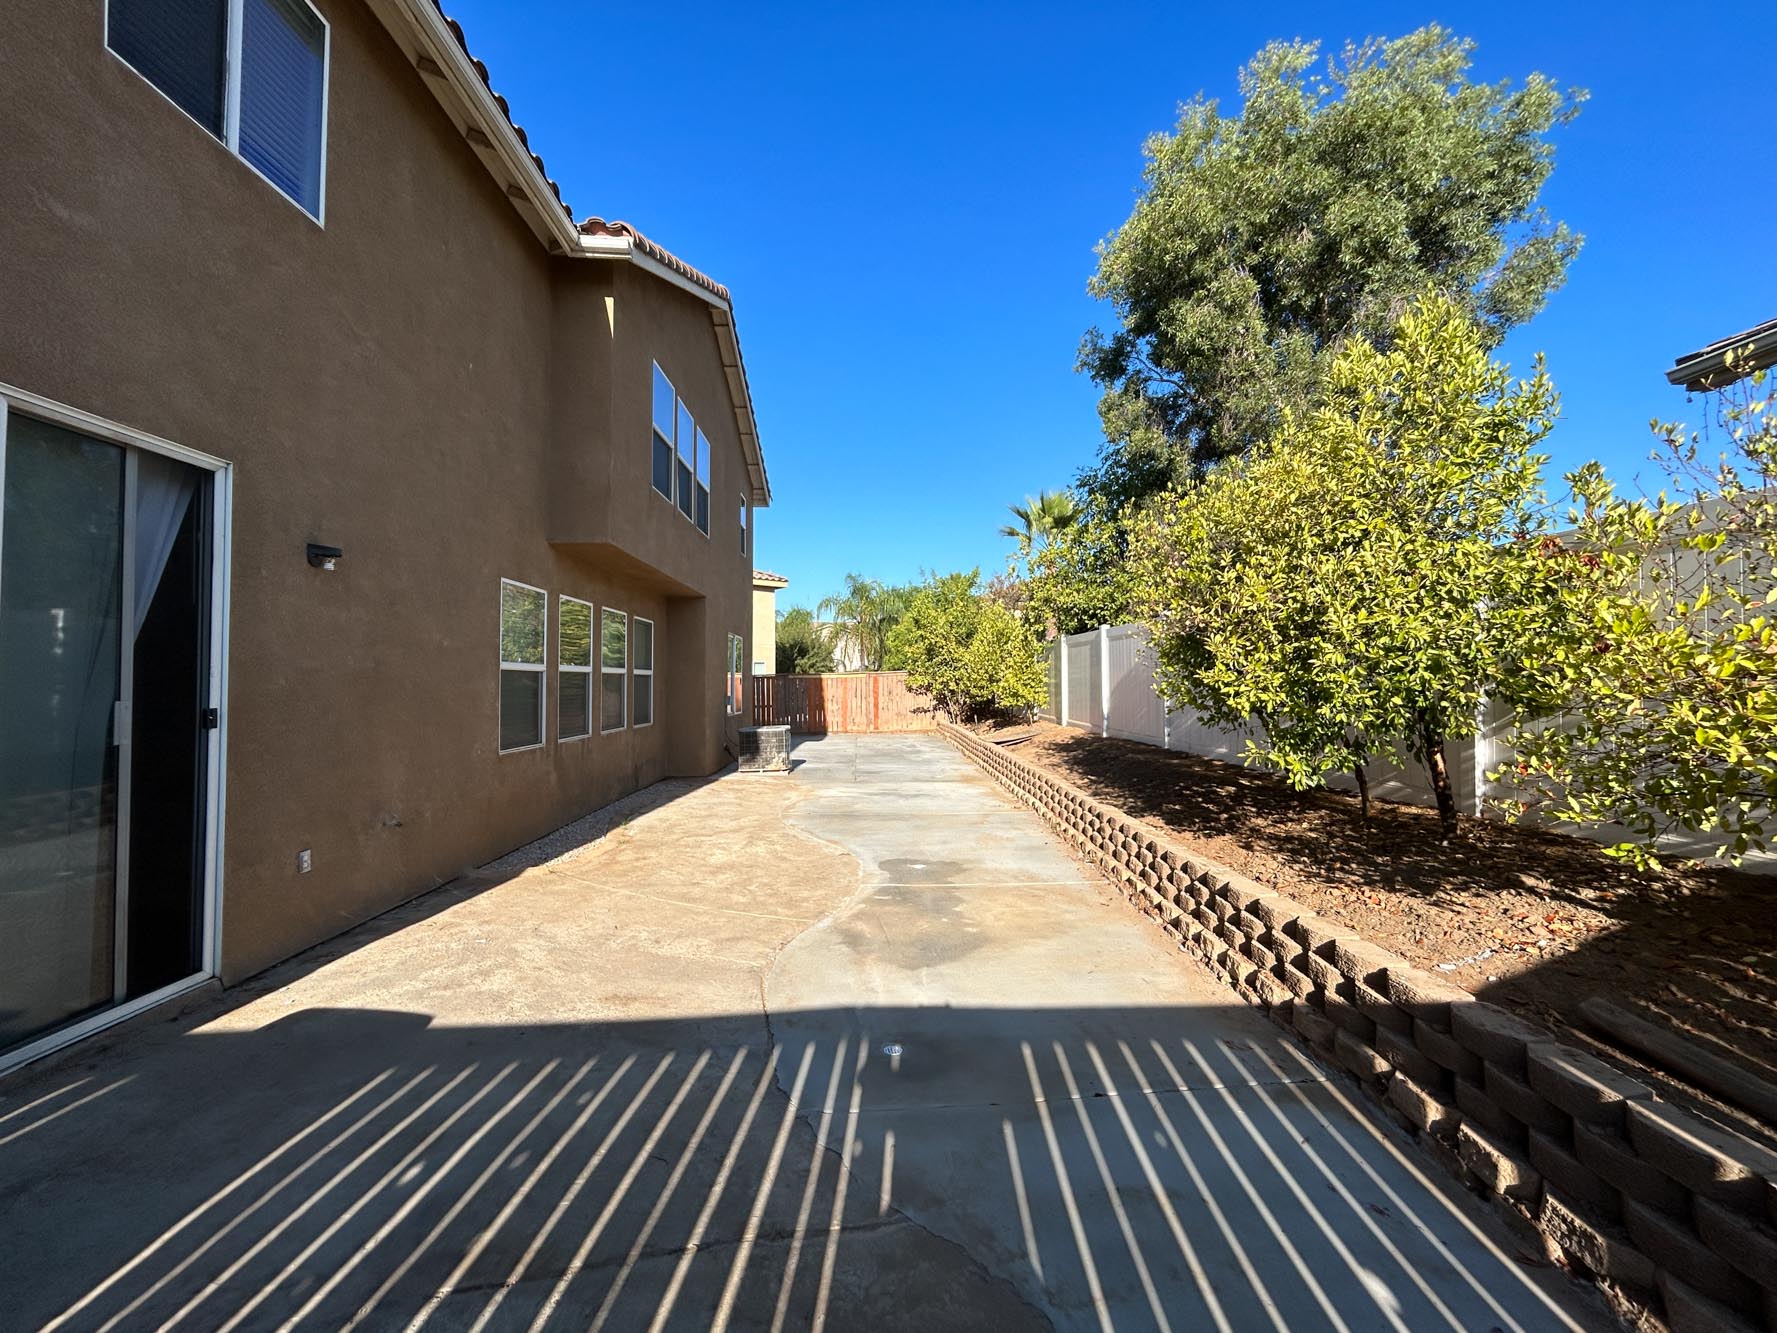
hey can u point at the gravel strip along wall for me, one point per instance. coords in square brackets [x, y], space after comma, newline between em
[1667, 1209]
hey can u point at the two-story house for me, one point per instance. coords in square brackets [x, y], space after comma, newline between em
[365, 516]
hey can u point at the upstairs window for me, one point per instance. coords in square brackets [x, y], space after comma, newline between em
[703, 484]
[268, 104]
[687, 459]
[743, 525]
[665, 404]
[680, 454]
[524, 631]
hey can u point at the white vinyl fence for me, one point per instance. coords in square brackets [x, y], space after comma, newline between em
[1103, 682]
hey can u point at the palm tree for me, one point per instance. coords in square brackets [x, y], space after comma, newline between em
[1040, 520]
[863, 615]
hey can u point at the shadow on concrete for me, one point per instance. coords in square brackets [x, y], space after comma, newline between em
[871, 1168]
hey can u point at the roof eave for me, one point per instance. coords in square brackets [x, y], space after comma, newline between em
[448, 70]
[1720, 365]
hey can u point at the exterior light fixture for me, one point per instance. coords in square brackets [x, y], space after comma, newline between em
[324, 557]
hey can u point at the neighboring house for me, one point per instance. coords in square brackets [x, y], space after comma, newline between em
[365, 517]
[848, 653]
[1727, 359]
[766, 587]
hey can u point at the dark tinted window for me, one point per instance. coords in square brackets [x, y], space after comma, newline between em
[181, 47]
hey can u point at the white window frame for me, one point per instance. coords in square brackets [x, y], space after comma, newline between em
[621, 672]
[736, 672]
[701, 484]
[231, 100]
[566, 668]
[26, 403]
[541, 668]
[745, 511]
[654, 432]
[648, 671]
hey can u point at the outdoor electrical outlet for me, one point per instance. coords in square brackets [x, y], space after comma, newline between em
[305, 861]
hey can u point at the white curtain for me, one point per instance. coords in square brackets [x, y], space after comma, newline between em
[163, 493]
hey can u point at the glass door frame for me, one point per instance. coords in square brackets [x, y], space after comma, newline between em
[221, 500]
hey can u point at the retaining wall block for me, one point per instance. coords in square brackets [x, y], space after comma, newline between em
[1325, 975]
[1520, 1101]
[1314, 1027]
[1301, 985]
[1747, 1243]
[1269, 989]
[1424, 995]
[1347, 1016]
[1580, 1084]
[1401, 1053]
[1600, 1249]
[1478, 1107]
[1612, 1157]
[1690, 1311]
[1493, 1034]
[1316, 932]
[1448, 1052]
[1360, 1058]
[1677, 1250]
[1711, 1161]
[1563, 1171]
[1497, 1163]
[1380, 1010]
[1276, 911]
[1421, 1104]
[1361, 960]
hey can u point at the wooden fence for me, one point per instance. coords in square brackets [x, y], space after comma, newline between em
[864, 701]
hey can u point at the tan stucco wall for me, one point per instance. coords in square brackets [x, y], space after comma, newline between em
[764, 646]
[416, 383]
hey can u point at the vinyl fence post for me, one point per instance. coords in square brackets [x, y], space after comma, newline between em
[1061, 648]
[1104, 680]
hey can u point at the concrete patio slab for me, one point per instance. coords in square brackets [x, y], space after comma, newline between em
[862, 1047]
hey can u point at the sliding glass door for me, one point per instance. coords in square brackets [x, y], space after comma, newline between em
[106, 579]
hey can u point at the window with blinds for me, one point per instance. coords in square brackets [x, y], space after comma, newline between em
[269, 106]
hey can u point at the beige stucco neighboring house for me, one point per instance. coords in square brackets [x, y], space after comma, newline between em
[766, 587]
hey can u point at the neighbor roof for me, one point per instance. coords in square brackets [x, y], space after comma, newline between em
[1727, 359]
[766, 576]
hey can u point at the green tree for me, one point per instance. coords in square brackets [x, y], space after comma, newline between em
[1040, 520]
[1359, 583]
[1666, 681]
[802, 645]
[968, 652]
[1262, 241]
[1080, 580]
[863, 615]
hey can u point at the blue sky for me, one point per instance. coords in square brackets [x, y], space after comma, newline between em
[904, 200]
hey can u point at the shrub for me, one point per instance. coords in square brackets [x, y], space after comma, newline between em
[968, 652]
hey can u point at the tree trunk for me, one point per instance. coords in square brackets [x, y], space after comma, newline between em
[1363, 790]
[1440, 777]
